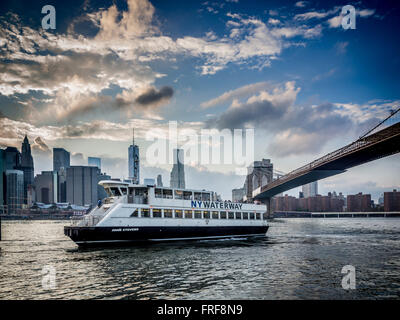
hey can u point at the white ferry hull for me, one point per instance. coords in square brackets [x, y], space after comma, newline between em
[91, 236]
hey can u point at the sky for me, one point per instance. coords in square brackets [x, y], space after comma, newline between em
[287, 70]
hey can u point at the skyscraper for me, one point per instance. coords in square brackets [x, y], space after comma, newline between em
[82, 185]
[61, 159]
[133, 161]
[45, 187]
[178, 170]
[26, 166]
[310, 189]
[94, 162]
[14, 189]
[12, 158]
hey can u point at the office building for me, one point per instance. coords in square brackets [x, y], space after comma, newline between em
[61, 159]
[26, 166]
[14, 190]
[12, 158]
[310, 189]
[178, 170]
[391, 201]
[46, 187]
[82, 185]
[133, 161]
[94, 162]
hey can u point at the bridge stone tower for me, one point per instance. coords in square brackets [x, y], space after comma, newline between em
[258, 174]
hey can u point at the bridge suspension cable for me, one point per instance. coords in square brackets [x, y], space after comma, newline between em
[391, 116]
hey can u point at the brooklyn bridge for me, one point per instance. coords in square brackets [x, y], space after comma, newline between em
[381, 141]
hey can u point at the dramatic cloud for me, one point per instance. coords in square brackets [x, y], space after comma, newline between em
[154, 97]
[297, 129]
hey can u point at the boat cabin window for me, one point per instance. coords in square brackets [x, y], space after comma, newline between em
[178, 194]
[215, 215]
[251, 215]
[238, 215]
[178, 214]
[115, 192]
[231, 215]
[145, 213]
[258, 216]
[156, 213]
[205, 196]
[206, 214]
[197, 214]
[223, 214]
[158, 193]
[167, 213]
[188, 214]
[124, 190]
[135, 213]
[167, 193]
[187, 195]
[197, 196]
[245, 215]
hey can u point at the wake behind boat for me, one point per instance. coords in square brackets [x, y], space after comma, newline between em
[144, 213]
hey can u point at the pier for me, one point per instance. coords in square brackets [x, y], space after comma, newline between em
[299, 214]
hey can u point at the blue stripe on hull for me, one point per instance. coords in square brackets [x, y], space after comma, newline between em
[105, 235]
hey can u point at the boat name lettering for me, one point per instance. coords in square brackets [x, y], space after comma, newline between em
[216, 205]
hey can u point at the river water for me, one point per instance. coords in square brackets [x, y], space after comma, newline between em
[300, 259]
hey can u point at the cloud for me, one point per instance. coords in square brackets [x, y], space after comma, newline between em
[153, 96]
[297, 129]
[301, 4]
[237, 93]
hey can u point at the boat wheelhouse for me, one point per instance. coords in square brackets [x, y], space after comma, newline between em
[135, 213]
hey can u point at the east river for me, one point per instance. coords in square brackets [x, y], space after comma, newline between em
[299, 259]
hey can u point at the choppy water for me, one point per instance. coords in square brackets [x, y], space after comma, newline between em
[300, 259]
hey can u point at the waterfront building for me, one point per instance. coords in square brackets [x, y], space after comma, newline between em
[94, 162]
[259, 174]
[392, 200]
[61, 159]
[82, 185]
[46, 187]
[159, 181]
[178, 170]
[12, 158]
[359, 202]
[310, 189]
[14, 190]
[238, 194]
[27, 166]
[133, 161]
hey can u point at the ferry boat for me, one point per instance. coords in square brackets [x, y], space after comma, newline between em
[134, 213]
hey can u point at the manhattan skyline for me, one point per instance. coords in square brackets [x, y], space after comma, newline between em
[287, 69]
